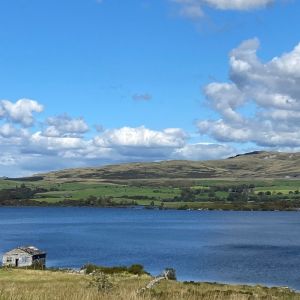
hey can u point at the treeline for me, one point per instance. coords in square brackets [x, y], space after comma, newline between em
[20, 193]
[241, 193]
[96, 202]
[23, 196]
[246, 206]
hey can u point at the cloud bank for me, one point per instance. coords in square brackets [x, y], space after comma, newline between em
[28, 146]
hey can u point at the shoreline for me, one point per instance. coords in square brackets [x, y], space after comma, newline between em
[140, 207]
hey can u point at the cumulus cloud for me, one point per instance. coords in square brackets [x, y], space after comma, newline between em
[20, 112]
[55, 143]
[142, 137]
[272, 87]
[65, 126]
[226, 98]
[194, 8]
[8, 130]
[61, 142]
[141, 143]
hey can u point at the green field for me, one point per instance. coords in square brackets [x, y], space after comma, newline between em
[209, 193]
[78, 191]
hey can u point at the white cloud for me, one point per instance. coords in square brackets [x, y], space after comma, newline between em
[274, 89]
[142, 137]
[20, 112]
[204, 151]
[24, 151]
[289, 63]
[225, 98]
[141, 143]
[8, 130]
[55, 143]
[65, 126]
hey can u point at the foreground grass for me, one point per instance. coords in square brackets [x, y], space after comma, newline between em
[48, 285]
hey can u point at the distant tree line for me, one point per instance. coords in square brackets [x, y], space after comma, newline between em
[97, 202]
[24, 196]
[19, 193]
[240, 193]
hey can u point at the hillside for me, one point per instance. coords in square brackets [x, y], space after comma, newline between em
[250, 165]
[251, 181]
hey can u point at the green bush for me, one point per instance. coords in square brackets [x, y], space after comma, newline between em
[112, 270]
[101, 281]
[89, 268]
[136, 269]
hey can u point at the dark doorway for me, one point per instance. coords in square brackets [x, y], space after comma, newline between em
[17, 262]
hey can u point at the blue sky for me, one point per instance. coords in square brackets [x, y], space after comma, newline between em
[157, 78]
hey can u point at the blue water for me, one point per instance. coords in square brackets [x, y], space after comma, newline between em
[230, 247]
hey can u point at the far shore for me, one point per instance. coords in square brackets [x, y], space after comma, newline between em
[141, 207]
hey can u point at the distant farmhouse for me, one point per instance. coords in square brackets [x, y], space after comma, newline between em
[29, 256]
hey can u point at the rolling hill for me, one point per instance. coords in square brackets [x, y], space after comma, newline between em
[258, 164]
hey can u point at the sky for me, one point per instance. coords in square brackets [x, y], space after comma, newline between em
[90, 82]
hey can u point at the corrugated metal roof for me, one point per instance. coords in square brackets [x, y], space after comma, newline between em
[31, 250]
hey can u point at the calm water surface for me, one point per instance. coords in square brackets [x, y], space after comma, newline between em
[233, 247]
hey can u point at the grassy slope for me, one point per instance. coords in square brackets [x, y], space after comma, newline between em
[78, 190]
[260, 165]
[46, 285]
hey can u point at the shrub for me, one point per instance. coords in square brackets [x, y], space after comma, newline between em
[112, 270]
[136, 269]
[101, 281]
[89, 268]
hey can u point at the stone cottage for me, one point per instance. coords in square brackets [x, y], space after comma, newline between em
[28, 256]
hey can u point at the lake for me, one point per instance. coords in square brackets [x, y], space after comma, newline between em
[229, 247]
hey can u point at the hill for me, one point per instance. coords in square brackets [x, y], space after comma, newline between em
[250, 181]
[258, 164]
